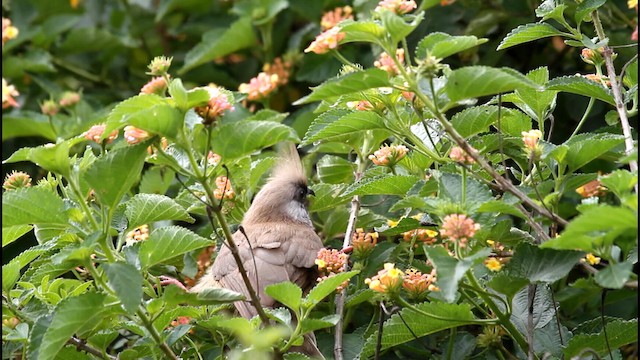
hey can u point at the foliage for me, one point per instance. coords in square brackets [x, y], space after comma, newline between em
[502, 227]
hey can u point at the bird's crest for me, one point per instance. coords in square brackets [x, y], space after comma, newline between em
[290, 169]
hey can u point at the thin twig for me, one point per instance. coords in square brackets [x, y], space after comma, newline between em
[604, 327]
[555, 310]
[530, 327]
[380, 328]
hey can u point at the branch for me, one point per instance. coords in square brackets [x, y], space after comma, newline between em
[616, 88]
[82, 345]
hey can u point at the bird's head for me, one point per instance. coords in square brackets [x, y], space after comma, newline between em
[285, 195]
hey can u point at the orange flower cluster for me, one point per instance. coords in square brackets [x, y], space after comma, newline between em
[69, 98]
[133, 135]
[331, 262]
[603, 80]
[417, 283]
[16, 180]
[388, 155]
[332, 18]
[423, 235]
[213, 159]
[95, 133]
[363, 243]
[156, 85]
[280, 68]
[458, 227]
[385, 62]
[591, 189]
[531, 146]
[457, 154]
[387, 281]
[203, 261]
[140, 233]
[223, 189]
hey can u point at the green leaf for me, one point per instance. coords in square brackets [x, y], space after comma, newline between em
[156, 180]
[541, 265]
[619, 181]
[327, 197]
[614, 275]
[362, 31]
[396, 26]
[13, 233]
[148, 112]
[604, 219]
[451, 270]
[382, 185]
[10, 274]
[347, 84]
[537, 103]
[126, 281]
[148, 208]
[54, 158]
[618, 333]
[475, 120]
[26, 123]
[69, 316]
[475, 81]
[220, 42]
[261, 12]
[501, 207]
[550, 9]
[395, 332]
[404, 225]
[326, 287]
[173, 296]
[168, 242]
[112, 175]
[441, 45]
[178, 93]
[450, 188]
[19, 207]
[590, 148]
[338, 124]
[507, 284]
[577, 84]
[309, 325]
[287, 293]
[242, 138]
[584, 9]
[529, 32]
[335, 170]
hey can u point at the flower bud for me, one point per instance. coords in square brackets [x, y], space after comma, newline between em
[159, 65]
[49, 107]
[16, 180]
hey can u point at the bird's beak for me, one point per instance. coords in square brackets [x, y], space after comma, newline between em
[310, 192]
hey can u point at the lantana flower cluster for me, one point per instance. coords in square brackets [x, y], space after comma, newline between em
[335, 16]
[458, 228]
[458, 155]
[388, 155]
[16, 180]
[326, 41]
[386, 63]
[259, 87]
[592, 189]
[418, 284]
[140, 233]
[216, 106]
[223, 189]
[363, 242]
[426, 236]
[399, 7]
[531, 139]
[331, 262]
[9, 94]
[95, 134]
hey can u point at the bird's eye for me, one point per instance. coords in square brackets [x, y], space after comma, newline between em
[302, 192]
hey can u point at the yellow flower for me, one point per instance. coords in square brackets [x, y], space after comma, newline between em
[632, 3]
[321, 263]
[388, 280]
[493, 264]
[591, 259]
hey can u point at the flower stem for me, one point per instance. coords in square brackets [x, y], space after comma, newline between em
[584, 117]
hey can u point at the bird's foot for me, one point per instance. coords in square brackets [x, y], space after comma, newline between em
[167, 280]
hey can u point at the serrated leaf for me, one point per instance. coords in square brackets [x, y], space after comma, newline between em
[26, 123]
[13, 233]
[347, 84]
[507, 284]
[577, 84]
[529, 32]
[332, 126]
[618, 333]
[148, 208]
[18, 207]
[614, 276]
[326, 287]
[310, 324]
[475, 81]
[148, 112]
[112, 175]
[619, 182]
[168, 242]
[404, 225]
[69, 316]
[584, 151]
[178, 93]
[382, 185]
[173, 296]
[585, 8]
[242, 138]
[327, 197]
[475, 120]
[395, 331]
[335, 170]
[10, 274]
[541, 265]
[501, 207]
[451, 270]
[450, 188]
[126, 281]
[441, 45]
[396, 26]
[287, 293]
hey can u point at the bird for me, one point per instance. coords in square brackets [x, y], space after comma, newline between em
[276, 242]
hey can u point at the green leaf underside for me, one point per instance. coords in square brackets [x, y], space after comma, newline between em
[332, 126]
[441, 45]
[475, 81]
[396, 332]
[580, 85]
[148, 208]
[13, 233]
[619, 333]
[19, 207]
[541, 265]
[242, 138]
[126, 281]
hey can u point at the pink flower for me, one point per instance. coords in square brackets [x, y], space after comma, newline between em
[360, 105]
[385, 62]
[9, 93]
[399, 7]
[69, 98]
[16, 180]
[531, 146]
[218, 103]
[260, 86]
[332, 18]
[8, 32]
[280, 68]
[417, 284]
[49, 107]
[458, 227]
[458, 155]
[157, 85]
[388, 155]
[134, 135]
[213, 159]
[96, 131]
[326, 41]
